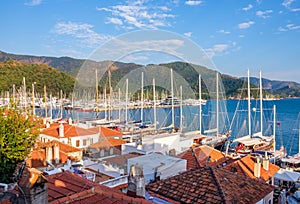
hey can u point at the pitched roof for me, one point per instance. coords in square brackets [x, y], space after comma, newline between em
[198, 156]
[67, 187]
[245, 166]
[106, 143]
[37, 157]
[210, 185]
[121, 159]
[100, 196]
[107, 132]
[69, 131]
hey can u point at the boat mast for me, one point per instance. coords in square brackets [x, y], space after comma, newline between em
[200, 105]
[154, 105]
[261, 103]
[299, 140]
[61, 104]
[126, 105]
[105, 104]
[51, 107]
[45, 101]
[33, 100]
[142, 97]
[97, 92]
[119, 93]
[181, 114]
[172, 99]
[110, 96]
[249, 105]
[24, 94]
[217, 102]
[274, 129]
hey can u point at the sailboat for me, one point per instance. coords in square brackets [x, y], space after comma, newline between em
[255, 141]
[212, 137]
[292, 162]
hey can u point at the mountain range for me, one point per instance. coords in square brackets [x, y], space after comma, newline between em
[232, 84]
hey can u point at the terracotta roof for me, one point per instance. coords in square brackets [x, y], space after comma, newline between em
[67, 187]
[37, 157]
[122, 159]
[100, 196]
[210, 185]
[245, 166]
[69, 131]
[198, 156]
[106, 143]
[107, 132]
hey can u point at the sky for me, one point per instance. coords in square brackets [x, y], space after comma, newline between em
[235, 35]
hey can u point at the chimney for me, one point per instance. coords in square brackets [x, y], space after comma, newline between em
[257, 166]
[70, 121]
[61, 130]
[136, 182]
[56, 153]
[48, 124]
[34, 186]
[49, 154]
[266, 162]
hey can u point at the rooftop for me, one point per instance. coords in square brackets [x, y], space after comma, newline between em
[210, 185]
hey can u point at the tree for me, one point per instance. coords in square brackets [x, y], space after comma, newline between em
[18, 134]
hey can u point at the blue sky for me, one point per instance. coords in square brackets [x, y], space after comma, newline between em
[237, 35]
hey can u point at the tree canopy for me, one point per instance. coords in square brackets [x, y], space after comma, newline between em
[18, 134]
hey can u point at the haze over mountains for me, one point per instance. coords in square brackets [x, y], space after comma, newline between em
[232, 84]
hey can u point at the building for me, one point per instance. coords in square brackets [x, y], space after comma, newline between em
[254, 167]
[52, 153]
[158, 166]
[164, 143]
[105, 147]
[201, 156]
[211, 185]
[70, 134]
[64, 187]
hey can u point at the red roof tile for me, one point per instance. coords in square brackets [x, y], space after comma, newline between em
[67, 187]
[198, 156]
[209, 185]
[106, 143]
[245, 166]
[37, 158]
[107, 132]
[69, 131]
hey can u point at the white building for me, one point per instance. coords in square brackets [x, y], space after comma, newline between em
[163, 143]
[158, 165]
[70, 134]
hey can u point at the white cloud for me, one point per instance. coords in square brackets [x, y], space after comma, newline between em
[81, 31]
[288, 5]
[245, 25]
[116, 21]
[289, 27]
[222, 49]
[264, 14]
[139, 14]
[33, 3]
[247, 8]
[224, 32]
[217, 49]
[193, 3]
[188, 34]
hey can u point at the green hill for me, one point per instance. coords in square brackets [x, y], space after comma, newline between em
[231, 84]
[12, 72]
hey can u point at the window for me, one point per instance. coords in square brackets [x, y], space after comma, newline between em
[111, 151]
[77, 143]
[84, 142]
